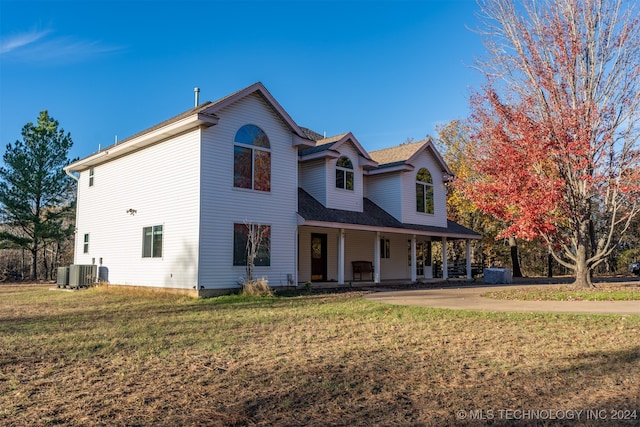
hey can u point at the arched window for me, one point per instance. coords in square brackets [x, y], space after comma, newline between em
[252, 159]
[344, 173]
[424, 191]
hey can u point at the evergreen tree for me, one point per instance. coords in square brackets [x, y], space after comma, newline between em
[34, 189]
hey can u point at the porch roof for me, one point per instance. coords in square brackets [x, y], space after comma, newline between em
[372, 218]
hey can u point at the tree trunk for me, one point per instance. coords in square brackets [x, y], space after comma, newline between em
[583, 273]
[34, 262]
[45, 262]
[549, 265]
[515, 262]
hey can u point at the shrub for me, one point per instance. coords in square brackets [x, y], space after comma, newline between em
[257, 287]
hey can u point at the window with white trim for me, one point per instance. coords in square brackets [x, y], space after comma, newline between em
[252, 159]
[242, 244]
[152, 242]
[424, 191]
[344, 173]
[385, 248]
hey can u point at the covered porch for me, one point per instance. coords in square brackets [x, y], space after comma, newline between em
[342, 246]
[353, 254]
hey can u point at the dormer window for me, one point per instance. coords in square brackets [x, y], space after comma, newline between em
[252, 159]
[344, 173]
[424, 191]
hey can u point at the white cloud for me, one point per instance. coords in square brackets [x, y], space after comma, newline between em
[11, 43]
[44, 46]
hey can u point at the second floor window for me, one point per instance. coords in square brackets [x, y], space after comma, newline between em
[252, 159]
[424, 191]
[344, 173]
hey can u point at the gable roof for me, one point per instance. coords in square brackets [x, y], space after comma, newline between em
[259, 89]
[329, 147]
[202, 115]
[372, 217]
[403, 156]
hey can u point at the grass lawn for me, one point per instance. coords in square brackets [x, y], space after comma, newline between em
[108, 357]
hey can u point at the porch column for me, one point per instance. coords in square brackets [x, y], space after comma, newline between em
[341, 257]
[445, 266]
[414, 275]
[376, 258]
[468, 254]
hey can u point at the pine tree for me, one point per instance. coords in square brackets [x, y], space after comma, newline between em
[34, 189]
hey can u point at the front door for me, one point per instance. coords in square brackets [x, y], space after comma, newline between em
[318, 257]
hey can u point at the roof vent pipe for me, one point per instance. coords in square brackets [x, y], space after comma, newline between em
[197, 92]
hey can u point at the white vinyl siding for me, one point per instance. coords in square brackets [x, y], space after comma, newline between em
[223, 205]
[358, 246]
[409, 213]
[340, 198]
[313, 178]
[155, 186]
[386, 191]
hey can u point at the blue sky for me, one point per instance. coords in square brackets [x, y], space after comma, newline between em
[384, 70]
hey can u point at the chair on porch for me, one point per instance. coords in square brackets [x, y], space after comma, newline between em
[362, 267]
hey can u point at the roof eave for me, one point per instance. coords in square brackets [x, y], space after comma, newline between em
[436, 155]
[301, 137]
[387, 229]
[188, 123]
[302, 142]
[387, 169]
[367, 163]
[331, 154]
[351, 137]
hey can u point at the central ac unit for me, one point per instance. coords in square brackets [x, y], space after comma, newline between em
[82, 275]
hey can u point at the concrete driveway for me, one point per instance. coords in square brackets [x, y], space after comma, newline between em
[468, 298]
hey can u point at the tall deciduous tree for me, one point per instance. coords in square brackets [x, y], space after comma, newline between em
[558, 124]
[458, 150]
[34, 189]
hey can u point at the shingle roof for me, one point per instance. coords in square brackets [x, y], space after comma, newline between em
[372, 215]
[208, 108]
[323, 144]
[311, 209]
[311, 134]
[399, 153]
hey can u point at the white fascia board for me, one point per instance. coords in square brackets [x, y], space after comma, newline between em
[320, 155]
[149, 138]
[398, 168]
[298, 141]
[367, 162]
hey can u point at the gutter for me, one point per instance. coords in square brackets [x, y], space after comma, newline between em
[71, 175]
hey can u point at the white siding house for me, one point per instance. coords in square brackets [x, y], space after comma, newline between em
[169, 207]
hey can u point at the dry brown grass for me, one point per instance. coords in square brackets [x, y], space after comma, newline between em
[107, 357]
[257, 288]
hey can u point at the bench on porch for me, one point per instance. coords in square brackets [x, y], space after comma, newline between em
[362, 267]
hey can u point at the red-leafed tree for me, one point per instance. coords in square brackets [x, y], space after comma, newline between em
[557, 125]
